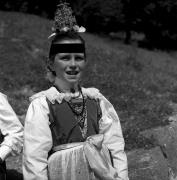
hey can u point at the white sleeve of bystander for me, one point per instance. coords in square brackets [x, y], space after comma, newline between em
[11, 129]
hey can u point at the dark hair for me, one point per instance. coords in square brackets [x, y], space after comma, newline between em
[64, 36]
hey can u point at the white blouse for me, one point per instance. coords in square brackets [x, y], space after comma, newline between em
[38, 138]
[10, 128]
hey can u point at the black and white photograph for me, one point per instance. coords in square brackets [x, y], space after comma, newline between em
[88, 90]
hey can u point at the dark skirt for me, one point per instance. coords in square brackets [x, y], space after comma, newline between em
[3, 171]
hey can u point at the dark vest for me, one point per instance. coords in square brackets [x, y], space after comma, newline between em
[63, 125]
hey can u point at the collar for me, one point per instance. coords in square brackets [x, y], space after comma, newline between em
[53, 95]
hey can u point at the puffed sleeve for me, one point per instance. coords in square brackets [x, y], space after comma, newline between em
[37, 141]
[109, 125]
[11, 129]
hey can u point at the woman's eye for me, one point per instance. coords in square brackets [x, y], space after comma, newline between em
[79, 58]
[64, 58]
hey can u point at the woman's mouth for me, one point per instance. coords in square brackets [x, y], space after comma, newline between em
[72, 72]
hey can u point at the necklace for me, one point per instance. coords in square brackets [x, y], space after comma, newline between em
[80, 113]
[72, 92]
[78, 107]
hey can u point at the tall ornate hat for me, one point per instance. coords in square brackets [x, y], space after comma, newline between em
[64, 20]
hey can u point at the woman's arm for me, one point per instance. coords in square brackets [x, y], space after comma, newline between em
[37, 141]
[11, 129]
[113, 138]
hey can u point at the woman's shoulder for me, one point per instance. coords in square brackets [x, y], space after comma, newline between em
[3, 98]
[3, 95]
[49, 94]
[92, 93]
[4, 103]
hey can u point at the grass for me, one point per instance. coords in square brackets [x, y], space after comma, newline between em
[139, 83]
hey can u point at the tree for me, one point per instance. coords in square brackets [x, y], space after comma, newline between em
[98, 15]
[158, 22]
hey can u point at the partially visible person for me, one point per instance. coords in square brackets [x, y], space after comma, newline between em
[11, 134]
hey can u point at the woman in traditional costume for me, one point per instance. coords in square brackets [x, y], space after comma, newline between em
[71, 132]
[11, 134]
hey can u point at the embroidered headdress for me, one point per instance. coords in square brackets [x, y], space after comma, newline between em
[64, 20]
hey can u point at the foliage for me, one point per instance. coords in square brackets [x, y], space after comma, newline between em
[160, 17]
[156, 19]
[99, 16]
[43, 8]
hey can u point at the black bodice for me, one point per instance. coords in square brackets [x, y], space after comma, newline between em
[64, 126]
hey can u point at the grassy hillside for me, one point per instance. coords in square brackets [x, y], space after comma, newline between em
[141, 84]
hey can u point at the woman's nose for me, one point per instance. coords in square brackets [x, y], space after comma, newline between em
[72, 65]
[73, 62]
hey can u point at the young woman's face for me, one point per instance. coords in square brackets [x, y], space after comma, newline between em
[69, 66]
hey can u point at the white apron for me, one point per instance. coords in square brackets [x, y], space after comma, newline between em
[88, 160]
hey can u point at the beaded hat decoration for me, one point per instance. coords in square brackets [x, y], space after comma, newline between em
[64, 20]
